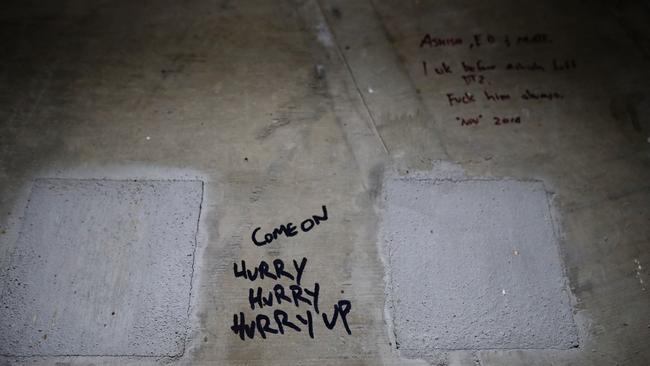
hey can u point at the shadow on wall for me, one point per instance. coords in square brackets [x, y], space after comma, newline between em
[631, 111]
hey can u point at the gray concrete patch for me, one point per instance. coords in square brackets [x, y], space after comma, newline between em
[474, 264]
[102, 267]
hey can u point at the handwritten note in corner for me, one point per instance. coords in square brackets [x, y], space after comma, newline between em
[478, 75]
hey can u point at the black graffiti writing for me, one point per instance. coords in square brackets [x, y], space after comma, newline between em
[275, 272]
[304, 299]
[280, 322]
[288, 230]
[294, 294]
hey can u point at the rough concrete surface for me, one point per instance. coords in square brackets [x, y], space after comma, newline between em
[474, 265]
[280, 107]
[102, 267]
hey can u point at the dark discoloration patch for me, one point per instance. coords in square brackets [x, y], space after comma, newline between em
[632, 112]
[306, 108]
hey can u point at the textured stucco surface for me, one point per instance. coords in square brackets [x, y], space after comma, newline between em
[474, 265]
[101, 268]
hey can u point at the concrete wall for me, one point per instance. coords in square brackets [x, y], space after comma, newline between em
[293, 112]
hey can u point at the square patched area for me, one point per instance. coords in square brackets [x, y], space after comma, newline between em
[101, 267]
[474, 264]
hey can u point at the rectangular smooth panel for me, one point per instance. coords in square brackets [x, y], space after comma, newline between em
[474, 265]
[102, 267]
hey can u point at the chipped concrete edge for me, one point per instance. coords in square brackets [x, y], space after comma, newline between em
[441, 170]
[580, 319]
